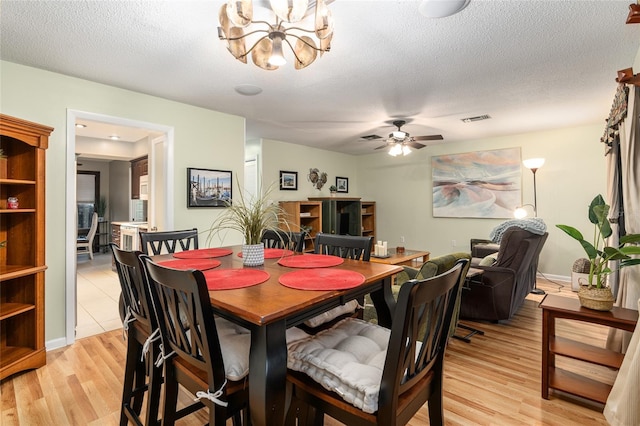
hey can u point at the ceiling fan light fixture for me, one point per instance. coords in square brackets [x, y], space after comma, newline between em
[398, 134]
[441, 8]
[396, 149]
[406, 150]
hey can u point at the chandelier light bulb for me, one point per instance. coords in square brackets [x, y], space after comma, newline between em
[277, 56]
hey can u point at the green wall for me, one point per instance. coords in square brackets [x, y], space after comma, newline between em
[203, 138]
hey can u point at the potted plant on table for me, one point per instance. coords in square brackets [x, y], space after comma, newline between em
[596, 294]
[251, 217]
[333, 190]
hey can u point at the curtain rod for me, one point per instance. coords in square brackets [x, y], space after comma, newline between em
[626, 76]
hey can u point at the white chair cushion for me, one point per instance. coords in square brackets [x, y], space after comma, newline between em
[347, 359]
[348, 308]
[235, 344]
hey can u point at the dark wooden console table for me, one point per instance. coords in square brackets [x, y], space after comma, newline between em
[555, 378]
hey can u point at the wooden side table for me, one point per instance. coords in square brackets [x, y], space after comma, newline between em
[555, 378]
[408, 258]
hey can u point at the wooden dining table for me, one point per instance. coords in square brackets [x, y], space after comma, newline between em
[270, 308]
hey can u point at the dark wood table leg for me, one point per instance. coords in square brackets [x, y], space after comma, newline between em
[548, 326]
[268, 374]
[384, 303]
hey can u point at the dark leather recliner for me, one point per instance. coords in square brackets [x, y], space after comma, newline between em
[501, 290]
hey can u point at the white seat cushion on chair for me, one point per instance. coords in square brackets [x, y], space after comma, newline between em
[235, 344]
[347, 359]
[348, 308]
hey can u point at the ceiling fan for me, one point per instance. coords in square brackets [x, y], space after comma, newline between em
[400, 141]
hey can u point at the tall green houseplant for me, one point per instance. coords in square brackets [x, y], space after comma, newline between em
[598, 253]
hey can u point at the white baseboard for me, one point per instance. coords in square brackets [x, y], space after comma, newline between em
[56, 343]
[552, 277]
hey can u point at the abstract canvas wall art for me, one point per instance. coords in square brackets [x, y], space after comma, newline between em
[481, 184]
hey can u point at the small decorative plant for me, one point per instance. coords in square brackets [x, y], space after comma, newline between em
[333, 188]
[101, 206]
[598, 253]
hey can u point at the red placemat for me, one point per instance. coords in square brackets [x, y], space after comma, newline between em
[201, 264]
[203, 253]
[274, 253]
[311, 261]
[227, 279]
[322, 279]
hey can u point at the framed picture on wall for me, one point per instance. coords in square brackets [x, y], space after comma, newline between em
[479, 184]
[288, 181]
[208, 188]
[342, 184]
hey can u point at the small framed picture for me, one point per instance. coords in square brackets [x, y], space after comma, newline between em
[342, 184]
[208, 188]
[288, 181]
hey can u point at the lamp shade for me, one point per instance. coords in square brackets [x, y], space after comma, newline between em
[533, 163]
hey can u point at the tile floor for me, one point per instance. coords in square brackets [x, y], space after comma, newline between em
[98, 294]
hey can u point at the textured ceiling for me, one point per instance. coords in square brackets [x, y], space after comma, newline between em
[530, 65]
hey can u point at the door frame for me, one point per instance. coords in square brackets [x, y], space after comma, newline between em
[70, 201]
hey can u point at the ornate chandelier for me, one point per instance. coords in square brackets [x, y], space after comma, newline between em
[266, 50]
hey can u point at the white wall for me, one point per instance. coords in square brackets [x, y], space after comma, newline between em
[573, 174]
[203, 138]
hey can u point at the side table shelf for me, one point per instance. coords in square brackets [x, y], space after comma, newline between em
[554, 307]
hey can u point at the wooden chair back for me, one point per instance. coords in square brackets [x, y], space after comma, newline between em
[169, 241]
[133, 283]
[413, 368]
[415, 357]
[139, 319]
[345, 246]
[276, 238]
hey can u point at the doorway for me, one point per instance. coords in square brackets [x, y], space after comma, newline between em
[161, 169]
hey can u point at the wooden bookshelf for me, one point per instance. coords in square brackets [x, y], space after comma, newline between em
[22, 259]
[304, 214]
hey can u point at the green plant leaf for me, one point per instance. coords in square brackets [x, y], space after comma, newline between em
[571, 231]
[595, 203]
[630, 238]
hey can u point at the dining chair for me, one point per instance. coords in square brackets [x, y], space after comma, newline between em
[377, 376]
[169, 241]
[277, 238]
[208, 356]
[345, 246]
[142, 331]
[84, 244]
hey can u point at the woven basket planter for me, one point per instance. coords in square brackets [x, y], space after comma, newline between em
[599, 299]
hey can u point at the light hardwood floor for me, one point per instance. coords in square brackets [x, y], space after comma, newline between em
[494, 380]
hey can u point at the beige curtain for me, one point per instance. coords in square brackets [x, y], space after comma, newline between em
[629, 278]
[622, 408]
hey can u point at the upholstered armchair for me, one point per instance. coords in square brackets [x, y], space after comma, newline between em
[431, 268]
[506, 280]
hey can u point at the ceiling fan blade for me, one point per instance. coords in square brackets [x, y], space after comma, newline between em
[415, 145]
[382, 146]
[428, 138]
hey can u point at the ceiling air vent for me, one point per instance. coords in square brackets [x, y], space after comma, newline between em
[371, 137]
[477, 118]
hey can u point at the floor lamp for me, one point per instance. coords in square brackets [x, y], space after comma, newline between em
[534, 164]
